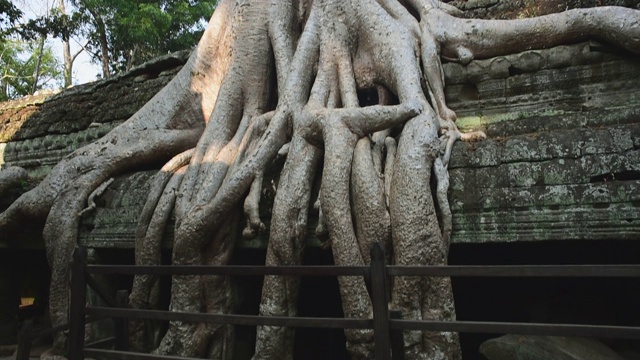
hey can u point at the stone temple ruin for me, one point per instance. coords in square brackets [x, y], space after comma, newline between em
[557, 181]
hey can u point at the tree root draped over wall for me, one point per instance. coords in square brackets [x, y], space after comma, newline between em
[279, 76]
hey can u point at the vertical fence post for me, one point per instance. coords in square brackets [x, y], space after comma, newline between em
[380, 303]
[397, 338]
[24, 340]
[122, 324]
[78, 304]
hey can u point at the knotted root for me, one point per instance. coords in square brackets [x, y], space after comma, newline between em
[294, 79]
[251, 209]
[11, 178]
[91, 202]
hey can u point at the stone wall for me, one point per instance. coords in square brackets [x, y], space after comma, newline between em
[36, 132]
[517, 9]
[562, 160]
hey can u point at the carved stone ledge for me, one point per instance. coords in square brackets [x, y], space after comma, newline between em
[36, 132]
[562, 161]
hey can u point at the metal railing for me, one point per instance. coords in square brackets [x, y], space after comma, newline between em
[387, 325]
[27, 335]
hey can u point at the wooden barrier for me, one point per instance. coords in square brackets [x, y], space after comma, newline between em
[386, 324]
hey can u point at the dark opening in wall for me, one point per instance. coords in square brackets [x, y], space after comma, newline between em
[368, 97]
[598, 301]
[24, 289]
[595, 301]
[469, 92]
[627, 175]
[513, 71]
[319, 297]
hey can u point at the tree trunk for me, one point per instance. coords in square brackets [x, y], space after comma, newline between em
[272, 75]
[36, 74]
[66, 54]
[104, 44]
[130, 57]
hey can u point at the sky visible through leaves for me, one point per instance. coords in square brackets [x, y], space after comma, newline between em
[141, 31]
[84, 70]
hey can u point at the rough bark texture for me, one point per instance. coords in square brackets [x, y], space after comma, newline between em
[547, 347]
[274, 75]
[514, 9]
[11, 178]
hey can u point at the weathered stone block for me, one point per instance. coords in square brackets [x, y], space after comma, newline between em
[562, 160]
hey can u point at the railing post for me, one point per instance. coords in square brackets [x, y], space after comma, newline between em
[24, 340]
[397, 338]
[78, 304]
[122, 324]
[380, 304]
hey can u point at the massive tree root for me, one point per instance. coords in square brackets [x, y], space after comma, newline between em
[287, 75]
[12, 178]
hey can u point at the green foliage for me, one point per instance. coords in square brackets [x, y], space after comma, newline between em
[187, 23]
[9, 15]
[120, 33]
[12, 23]
[54, 24]
[136, 31]
[18, 61]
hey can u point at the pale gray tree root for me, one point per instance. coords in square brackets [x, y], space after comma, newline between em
[11, 178]
[61, 227]
[289, 72]
[170, 123]
[152, 223]
[415, 242]
[418, 240]
[288, 231]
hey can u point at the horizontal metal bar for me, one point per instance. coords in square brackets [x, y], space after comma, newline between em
[122, 355]
[100, 290]
[49, 331]
[616, 332]
[59, 328]
[250, 320]
[103, 343]
[392, 270]
[242, 270]
[518, 270]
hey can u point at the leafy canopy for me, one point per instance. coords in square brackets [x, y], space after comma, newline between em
[18, 62]
[9, 15]
[137, 31]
